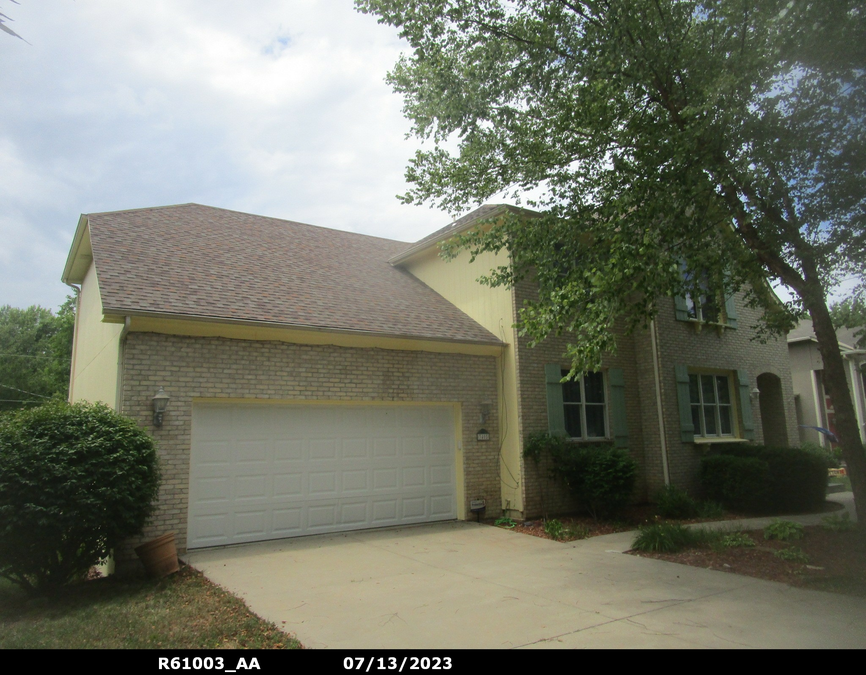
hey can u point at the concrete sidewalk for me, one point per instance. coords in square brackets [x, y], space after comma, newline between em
[464, 585]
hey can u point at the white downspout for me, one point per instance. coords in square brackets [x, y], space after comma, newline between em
[659, 409]
[118, 396]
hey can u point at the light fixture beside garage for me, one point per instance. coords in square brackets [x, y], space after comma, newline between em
[160, 403]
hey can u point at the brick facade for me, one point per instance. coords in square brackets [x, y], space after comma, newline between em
[214, 368]
[678, 343]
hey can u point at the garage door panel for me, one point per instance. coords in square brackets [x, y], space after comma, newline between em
[288, 450]
[288, 485]
[323, 449]
[264, 471]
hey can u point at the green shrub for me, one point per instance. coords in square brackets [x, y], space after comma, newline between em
[837, 523]
[667, 538]
[505, 522]
[793, 554]
[783, 530]
[799, 478]
[671, 502]
[740, 483]
[707, 508]
[737, 540]
[601, 477]
[577, 532]
[553, 528]
[75, 481]
[761, 479]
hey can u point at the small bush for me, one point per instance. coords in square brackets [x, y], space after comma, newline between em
[837, 523]
[667, 538]
[601, 477]
[783, 530]
[737, 540]
[75, 481]
[578, 532]
[553, 528]
[710, 509]
[793, 554]
[671, 502]
[505, 522]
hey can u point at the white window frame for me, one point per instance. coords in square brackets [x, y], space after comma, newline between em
[583, 403]
[700, 431]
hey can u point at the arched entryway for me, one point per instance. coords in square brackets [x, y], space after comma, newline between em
[772, 410]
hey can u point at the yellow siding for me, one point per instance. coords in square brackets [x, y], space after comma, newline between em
[96, 348]
[493, 308]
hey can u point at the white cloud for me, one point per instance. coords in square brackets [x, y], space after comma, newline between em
[278, 108]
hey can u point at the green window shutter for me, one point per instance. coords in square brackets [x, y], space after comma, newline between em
[555, 411]
[687, 429]
[680, 307]
[619, 424]
[731, 312]
[746, 405]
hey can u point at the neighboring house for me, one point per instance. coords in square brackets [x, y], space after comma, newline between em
[814, 407]
[322, 381]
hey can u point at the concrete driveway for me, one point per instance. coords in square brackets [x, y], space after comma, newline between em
[464, 585]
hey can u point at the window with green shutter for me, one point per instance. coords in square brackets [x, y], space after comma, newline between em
[589, 407]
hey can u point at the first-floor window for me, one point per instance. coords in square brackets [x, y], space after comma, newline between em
[711, 403]
[584, 405]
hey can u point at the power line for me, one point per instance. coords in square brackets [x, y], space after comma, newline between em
[29, 356]
[31, 393]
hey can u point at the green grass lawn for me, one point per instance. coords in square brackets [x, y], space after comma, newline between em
[182, 611]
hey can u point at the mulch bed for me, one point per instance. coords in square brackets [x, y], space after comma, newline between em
[837, 560]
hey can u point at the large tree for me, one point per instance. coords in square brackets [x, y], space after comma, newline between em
[724, 138]
[35, 354]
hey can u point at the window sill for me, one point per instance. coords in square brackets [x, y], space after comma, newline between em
[698, 325]
[720, 439]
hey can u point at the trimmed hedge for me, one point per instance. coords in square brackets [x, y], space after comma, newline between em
[761, 479]
[75, 481]
[601, 477]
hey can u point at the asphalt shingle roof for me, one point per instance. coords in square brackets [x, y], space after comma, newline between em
[193, 260]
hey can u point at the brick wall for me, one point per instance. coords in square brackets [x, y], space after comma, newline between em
[678, 343]
[196, 367]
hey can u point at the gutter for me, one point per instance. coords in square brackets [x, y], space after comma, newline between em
[127, 314]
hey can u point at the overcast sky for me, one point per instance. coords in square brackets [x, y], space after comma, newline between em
[277, 107]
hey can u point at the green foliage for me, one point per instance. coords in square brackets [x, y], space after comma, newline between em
[601, 477]
[35, 354]
[671, 502]
[783, 530]
[709, 509]
[737, 540]
[737, 482]
[793, 554]
[837, 523]
[668, 538]
[554, 529]
[505, 522]
[577, 532]
[649, 132]
[851, 313]
[761, 479]
[75, 481]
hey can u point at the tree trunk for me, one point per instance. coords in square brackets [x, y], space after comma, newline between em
[837, 388]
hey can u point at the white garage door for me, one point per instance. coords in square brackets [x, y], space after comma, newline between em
[272, 471]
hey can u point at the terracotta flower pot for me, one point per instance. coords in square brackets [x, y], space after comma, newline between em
[159, 556]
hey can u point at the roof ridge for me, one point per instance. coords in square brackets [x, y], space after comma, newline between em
[246, 213]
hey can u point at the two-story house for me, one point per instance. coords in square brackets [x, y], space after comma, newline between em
[322, 381]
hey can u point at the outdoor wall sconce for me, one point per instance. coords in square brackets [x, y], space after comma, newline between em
[755, 393]
[160, 403]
